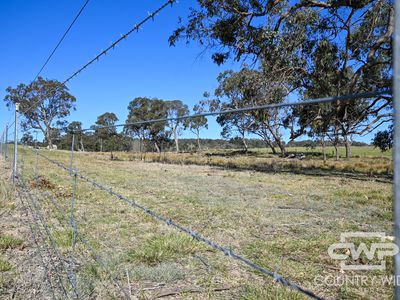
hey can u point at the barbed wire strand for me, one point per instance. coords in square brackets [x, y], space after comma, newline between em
[80, 237]
[56, 47]
[62, 39]
[228, 252]
[112, 46]
[348, 97]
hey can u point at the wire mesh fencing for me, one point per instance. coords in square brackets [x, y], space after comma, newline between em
[82, 221]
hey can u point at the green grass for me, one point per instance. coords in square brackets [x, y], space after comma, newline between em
[251, 292]
[162, 248]
[4, 265]
[162, 272]
[9, 242]
[365, 160]
[63, 238]
[285, 221]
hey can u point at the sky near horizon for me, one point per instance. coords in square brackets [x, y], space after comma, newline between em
[144, 65]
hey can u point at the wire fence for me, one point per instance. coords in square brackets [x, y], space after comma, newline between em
[68, 249]
[74, 283]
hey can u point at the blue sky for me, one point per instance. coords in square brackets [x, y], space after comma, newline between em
[142, 65]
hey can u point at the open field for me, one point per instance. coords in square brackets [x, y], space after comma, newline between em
[281, 220]
[366, 161]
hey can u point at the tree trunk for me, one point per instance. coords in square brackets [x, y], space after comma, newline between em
[268, 142]
[48, 137]
[347, 144]
[244, 143]
[282, 148]
[101, 145]
[336, 150]
[82, 147]
[277, 139]
[280, 145]
[157, 148]
[198, 141]
[176, 139]
[336, 142]
[323, 148]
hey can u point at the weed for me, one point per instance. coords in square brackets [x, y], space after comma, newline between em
[4, 265]
[161, 248]
[9, 242]
[63, 238]
[268, 292]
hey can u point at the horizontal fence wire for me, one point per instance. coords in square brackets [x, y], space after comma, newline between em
[62, 39]
[37, 243]
[22, 194]
[228, 252]
[38, 217]
[135, 28]
[65, 222]
[348, 97]
[81, 237]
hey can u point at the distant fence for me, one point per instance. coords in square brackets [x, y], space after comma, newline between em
[61, 267]
[74, 286]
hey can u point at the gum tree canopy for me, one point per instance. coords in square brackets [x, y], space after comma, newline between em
[44, 104]
[311, 47]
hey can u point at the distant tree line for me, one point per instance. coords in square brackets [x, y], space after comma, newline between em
[235, 90]
[309, 49]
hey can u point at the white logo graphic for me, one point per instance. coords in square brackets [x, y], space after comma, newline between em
[382, 249]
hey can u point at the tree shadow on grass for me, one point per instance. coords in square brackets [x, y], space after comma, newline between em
[311, 171]
[286, 166]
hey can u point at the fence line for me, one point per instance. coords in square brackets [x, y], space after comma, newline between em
[226, 251]
[348, 97]
[62, 38]
[69, 224]
[111, 47]
[51, 258]
[74, 174]
[90, 248]
[33, 207]
[36, 214]
[35, 240]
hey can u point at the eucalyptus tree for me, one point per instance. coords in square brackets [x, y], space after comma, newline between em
[197, 123]
[105, 130]
[75, 127]
[44, 105]
[176, 109]
[248, 88]
[383, 140]
[142, 109]
[285, 38]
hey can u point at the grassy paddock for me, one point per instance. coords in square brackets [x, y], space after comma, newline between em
[283, 221]
[365, 161]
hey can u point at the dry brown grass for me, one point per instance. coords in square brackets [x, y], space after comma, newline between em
[259, 161]
[281, 220]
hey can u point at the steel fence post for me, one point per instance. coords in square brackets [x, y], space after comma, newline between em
[396, 149]
[15, 142]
